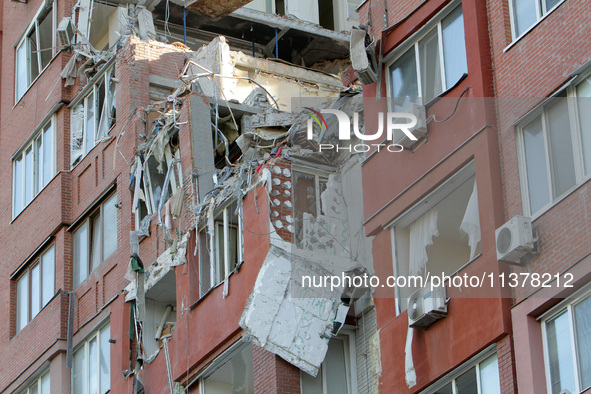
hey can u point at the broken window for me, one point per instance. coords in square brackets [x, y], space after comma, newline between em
[35, 49]
[93, 115]
[91, 369]
[35, 288]
[95, 239]
[335, 375]
[158, 182]
[33, 167]
[234, 375]
[307, 188]
[440, 234]
[39, 385]
[218, 257]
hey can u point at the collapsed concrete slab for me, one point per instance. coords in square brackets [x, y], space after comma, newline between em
[215, 9]
[296, 329]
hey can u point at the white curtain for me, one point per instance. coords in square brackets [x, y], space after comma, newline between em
[422, 232]
[471, 222]
[409, 368]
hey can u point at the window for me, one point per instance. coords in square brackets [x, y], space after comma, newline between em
[440, 234]
[153, 182]
[40, 385]
[475, 378]
[567, 347]
[556, 148]
[217, 258]
[35, 288]
[33, 167]
[93, 115]
[231, 372]
[336, 374]
[307, 189]
[95, 239]
[433, 63]
[35, 49]
[91, 369]
[525, 13]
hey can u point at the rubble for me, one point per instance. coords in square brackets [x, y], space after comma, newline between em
[244, 129]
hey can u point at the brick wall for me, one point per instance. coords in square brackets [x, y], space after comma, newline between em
[506, 360]
[272, 374]
[531, 69]
[72, 191]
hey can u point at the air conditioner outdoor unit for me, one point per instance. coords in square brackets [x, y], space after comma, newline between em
[420, 130]
[515, 239]
[65, 32]
[426, 306]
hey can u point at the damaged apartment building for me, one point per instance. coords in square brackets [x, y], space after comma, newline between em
[166, 201]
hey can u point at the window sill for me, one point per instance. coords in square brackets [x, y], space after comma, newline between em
[517, 39]
[35, 80]
[212, 288]
[552, 204]
[84, 156]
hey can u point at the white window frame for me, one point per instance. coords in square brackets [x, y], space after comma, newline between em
[413, 42]
[84, 346]
[37, 382]
[105, 76]
[568, 305]
[578, 158]
[37, 262]
[447, 187]
[38, 162]
[541, 14]
[23, 41]
[347, 335]
[218, 274]
[319, 176]
[175, 180]
[221, 360]
[473, 363]
[88, 222]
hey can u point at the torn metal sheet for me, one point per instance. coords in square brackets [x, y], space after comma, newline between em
[296, 329]
[70, 334]
[159, 268]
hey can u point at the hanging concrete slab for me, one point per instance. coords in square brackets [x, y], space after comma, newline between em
[215, 9]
